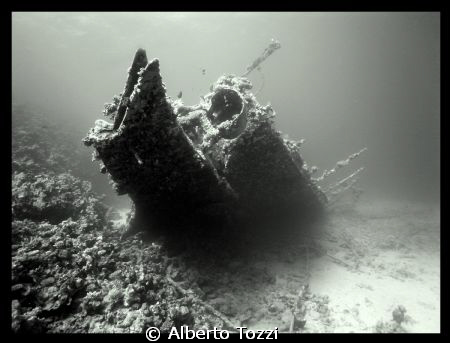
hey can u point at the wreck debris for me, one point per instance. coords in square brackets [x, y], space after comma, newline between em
[273, 46]
[334, 192]
[299, 311]
[230, 325]
[140, 61]
[339, 165]
[209, 166]
[171, 176]
[345, 180]
[346, 184]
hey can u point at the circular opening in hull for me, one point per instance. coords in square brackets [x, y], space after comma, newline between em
[224, 105]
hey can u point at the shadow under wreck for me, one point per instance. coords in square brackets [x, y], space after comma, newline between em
[218, 169]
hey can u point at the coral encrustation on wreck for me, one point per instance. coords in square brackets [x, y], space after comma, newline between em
[218, 161]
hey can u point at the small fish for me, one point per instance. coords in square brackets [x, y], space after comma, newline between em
[204, 71]
[180, 94]
[138, 159]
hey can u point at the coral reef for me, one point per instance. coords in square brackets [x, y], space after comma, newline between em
[78, 277]
[70, 272]
[52, 198]
[396, 325]
[40, 145]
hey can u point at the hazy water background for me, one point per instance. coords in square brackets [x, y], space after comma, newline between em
[342, 81]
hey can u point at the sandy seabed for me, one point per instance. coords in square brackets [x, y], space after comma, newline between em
[367, 261]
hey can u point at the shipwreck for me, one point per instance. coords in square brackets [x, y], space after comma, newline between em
[216, 166]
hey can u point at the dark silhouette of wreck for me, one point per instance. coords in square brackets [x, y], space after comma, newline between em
[215, 167]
